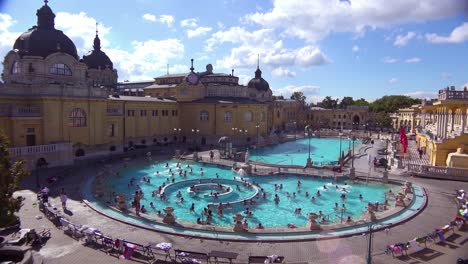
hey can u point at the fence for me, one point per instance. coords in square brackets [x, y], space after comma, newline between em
[439, 172]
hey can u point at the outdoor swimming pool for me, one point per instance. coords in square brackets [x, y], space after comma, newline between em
[322, 150]
[206, 178]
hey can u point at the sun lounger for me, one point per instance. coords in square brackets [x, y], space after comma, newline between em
[18, 237]
[266, 259]
[163, 248]
[222, 254]
[37, 238]
[186, 256]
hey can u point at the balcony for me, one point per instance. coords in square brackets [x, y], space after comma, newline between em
[9, 110]
[39, 149]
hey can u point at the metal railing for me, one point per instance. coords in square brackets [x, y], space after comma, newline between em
[438, 172]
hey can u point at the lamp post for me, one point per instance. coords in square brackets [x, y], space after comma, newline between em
[340, 156]
[294, 130]
[307, 133]
[352, 173]
[195, 133]
[178, 132]
[370, 232]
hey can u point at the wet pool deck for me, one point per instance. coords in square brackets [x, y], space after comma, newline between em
[440, 210]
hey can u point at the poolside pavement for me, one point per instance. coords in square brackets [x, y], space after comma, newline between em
[439, 211]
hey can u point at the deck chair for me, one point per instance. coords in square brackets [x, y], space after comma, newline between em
[37, 238]
[18, 237]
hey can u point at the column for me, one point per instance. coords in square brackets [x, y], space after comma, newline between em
[437, 121]
[445, 130]
[453, 121]
[463, 121]
[423, 120]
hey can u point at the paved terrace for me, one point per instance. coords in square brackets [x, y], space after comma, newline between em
[440, 210]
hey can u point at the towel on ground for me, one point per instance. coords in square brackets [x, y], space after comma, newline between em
[271, 259]
[164, 246]
[414, 245]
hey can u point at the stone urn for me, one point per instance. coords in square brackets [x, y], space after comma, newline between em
[312, 224]
[169, 217]
[121, 203]
[400, 200]
[238, 226]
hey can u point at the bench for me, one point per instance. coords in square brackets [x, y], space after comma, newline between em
[223, 254]
[261, 259]
[186, 256]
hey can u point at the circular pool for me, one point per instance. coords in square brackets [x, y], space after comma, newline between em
[275, 201]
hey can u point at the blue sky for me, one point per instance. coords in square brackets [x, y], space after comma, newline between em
[359, 48]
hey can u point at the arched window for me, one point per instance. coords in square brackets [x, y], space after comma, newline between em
[77, 118]
[227, 116]
[204, 115]
[262, 116]
[15, 69]
[248, 116]
[60, 69]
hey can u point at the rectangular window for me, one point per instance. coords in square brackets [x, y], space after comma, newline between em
[129, 112]
[30, 130]
[142, 112]
[112, 130]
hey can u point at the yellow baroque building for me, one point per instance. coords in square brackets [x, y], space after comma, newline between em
[444, 128]
[56, 107]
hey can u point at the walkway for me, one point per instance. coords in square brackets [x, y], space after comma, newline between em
[440, 210]
[412, 155]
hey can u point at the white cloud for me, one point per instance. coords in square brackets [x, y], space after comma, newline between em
[179, 68]
[446, 75]
[402, 40]
[422, 95]
[81, 29]
[464, 85]
[393, 81]
[149, 17]
[390, 60]
[458, 35]
[314, 20]
[190, 22]
[310, 91]
[164, 19]
[265, 43]
[283, 72]
[220, 25]
[413, 60]
[146, 58]
[355, 48]
[7, 37]
[199, 31]
[167, 19]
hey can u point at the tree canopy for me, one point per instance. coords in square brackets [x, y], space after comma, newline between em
[299, 96]
[391, 103]
[328, 103]
[10, 179]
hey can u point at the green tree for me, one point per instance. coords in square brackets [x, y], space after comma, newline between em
[382, 119]
[391, 103]
[11, 174]
[299, 96]
[328, 103]
[346, 101]
[361, 102]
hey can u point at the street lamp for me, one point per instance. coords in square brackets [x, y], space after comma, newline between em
[294, 130]
[178, 132]
[257, 126]
[195, 132]
[308, 134]
[370, 231]
[340, 156]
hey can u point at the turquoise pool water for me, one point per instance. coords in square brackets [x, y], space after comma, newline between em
[265, 210]
[322, 151]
